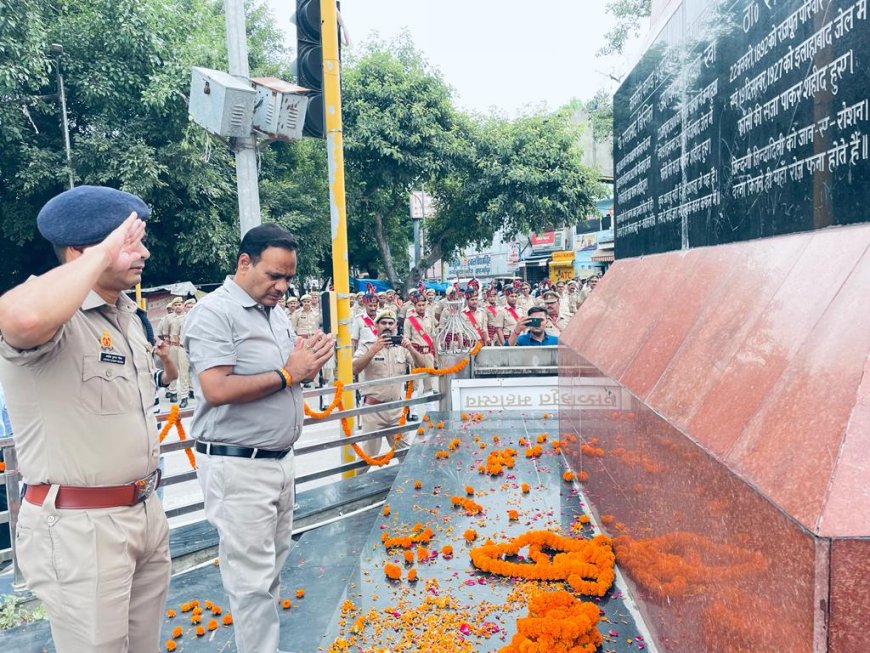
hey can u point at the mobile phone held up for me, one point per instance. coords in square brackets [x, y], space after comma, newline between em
[395, 340]
[534, 322]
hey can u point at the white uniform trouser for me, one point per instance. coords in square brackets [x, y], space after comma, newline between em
[250, 503]
[102, 575]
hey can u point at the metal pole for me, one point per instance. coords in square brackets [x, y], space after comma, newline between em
[418, 254]
[337, 208]
[245, 148]
[62, 93]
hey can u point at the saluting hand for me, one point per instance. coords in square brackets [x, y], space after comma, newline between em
[123, 246]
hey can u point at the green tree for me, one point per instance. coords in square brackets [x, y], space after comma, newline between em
[127, 67]
[628, 14]
[398, 124]
[510, 176]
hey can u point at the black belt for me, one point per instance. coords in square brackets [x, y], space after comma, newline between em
[213, 449]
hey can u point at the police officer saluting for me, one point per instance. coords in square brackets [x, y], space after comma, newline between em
[92, 539]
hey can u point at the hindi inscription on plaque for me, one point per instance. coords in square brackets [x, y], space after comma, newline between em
[744, 119]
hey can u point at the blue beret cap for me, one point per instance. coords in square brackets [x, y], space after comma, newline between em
[87, 214]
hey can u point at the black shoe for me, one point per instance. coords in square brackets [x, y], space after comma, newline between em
[168, 395]
[156, 401]
[190, 394]
[173, 397]
[413, 418]
[183, 403]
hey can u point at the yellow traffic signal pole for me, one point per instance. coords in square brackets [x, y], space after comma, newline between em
[337, 208]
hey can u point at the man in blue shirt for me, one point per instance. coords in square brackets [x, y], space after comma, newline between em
[536, 335]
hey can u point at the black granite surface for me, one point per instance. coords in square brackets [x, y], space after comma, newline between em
[744, 119]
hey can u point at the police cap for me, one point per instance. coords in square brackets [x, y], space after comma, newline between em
[87, 214]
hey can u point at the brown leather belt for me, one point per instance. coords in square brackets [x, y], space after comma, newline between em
[110, 496]
[371, 401]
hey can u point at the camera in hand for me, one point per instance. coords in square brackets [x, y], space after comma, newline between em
[534, 321]
[395, 340]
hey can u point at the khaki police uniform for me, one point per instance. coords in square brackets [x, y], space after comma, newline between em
[361, 331]
[525, 303]
[481, 319]
[248, 500]
[389, 362]
[183, 362]
[418, 342]
[305, 322]
[81, 405]
[507, 319]
[491, 329]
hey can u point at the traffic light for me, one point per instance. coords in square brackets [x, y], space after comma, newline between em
[309, 63]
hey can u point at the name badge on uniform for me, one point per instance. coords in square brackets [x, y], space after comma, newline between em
[110, 357]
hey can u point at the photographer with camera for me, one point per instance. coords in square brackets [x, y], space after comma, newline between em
[388, 356]
[536, 335]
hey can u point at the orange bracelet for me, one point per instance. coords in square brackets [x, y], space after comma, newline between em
[288, 378]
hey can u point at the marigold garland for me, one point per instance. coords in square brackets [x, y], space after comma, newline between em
[174, 420]
[587, 565]
[557, 623]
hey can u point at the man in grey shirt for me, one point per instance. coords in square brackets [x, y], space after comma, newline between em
[247, 366]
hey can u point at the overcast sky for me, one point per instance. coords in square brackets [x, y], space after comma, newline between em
[501, 54]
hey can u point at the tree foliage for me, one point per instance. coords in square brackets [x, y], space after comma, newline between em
[628, 14]
[126, 65]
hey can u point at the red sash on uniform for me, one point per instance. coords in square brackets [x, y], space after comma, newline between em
[419, 328]
[513, 312]
[370, 324]
[491, 309]
[473, 322]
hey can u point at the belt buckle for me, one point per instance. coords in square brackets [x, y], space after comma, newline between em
[145, 487]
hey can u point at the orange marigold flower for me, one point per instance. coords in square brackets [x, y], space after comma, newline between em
[439, 425]
[412, 575]
[170, 645]
[386, 510]
[513, 515]
[212, 624]
[525, 488]
[496, 439]
[584, 519]
[228, 619]
[426, 418]
[420, 430]
[418, 485]
[197, 609]
[393, 572]
[286, 604]
[200, 631]
[440, 455]
[469, 490]
[209, 605]
[464, 417]
[195, 619]
[422, 553]
[542, 438]
[447, 551]
[300, 593]
[568, 476]
[216, 610]
[186, 607]
[470, 535]
[170, 613]
[409, 557]
[176, 632]
[583, 477]
[523, 442]
[454, 443]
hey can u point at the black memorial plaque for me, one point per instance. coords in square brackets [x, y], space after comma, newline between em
[744, 119]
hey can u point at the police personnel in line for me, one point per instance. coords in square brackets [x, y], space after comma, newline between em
[419, 328]
[92, 539]
[306, 321]
[381, 359]
[556, 321]
[185, 390]
[247, 368]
